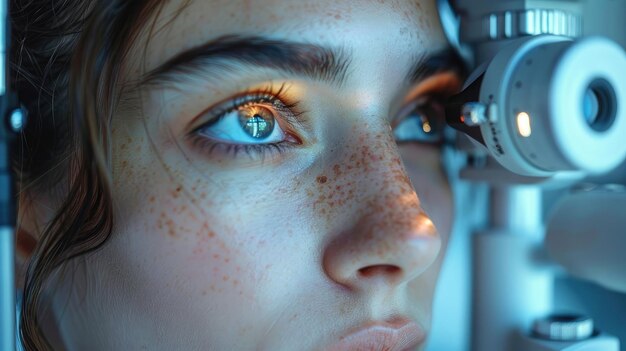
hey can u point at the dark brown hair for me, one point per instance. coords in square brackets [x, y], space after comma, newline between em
[67, 57]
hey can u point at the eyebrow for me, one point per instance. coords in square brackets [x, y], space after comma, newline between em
[294, 58]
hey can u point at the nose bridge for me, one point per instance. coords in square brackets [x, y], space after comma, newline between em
[388, 203]
[387, 234]
[386, 195]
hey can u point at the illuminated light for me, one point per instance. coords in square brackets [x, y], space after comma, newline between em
[523, 124]
[426, 127]
[462, 119]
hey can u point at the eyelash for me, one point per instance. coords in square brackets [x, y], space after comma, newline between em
[269, 97]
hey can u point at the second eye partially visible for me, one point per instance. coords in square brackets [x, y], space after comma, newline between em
[421, 121]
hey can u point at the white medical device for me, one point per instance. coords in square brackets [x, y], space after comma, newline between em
[543, 108]
[548, 104]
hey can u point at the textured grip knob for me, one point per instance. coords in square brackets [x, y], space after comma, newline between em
[564, 327]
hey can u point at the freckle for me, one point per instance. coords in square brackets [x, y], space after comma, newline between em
[123, 146]
[178, 189]
[337, 170]
[216, 256]
[235, 282]
[227, 260]
[225, 278]
[211, 235]
[322, 179]
[152, 199]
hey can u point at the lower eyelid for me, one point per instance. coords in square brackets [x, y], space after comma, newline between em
[210, 147]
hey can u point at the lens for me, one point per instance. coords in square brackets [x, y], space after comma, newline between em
[599, 105]
[590, 106]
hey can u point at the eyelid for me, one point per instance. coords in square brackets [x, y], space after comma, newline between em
[419, 103]
[437, 87]
[445, 83]
[286, 113]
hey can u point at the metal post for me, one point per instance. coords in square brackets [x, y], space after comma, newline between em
[7, 213]
[509, 290]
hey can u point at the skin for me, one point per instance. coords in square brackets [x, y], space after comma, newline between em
[216, 252]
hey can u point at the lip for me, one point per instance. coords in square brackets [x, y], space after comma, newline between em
[396, 334]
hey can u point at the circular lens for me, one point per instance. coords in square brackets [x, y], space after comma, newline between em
[599, 105]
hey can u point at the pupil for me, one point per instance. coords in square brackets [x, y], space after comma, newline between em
[257, 126]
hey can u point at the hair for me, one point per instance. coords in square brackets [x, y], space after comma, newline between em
[66, 61]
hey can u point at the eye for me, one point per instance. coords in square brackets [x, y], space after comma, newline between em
[421, 122]
[248, 124]
[259, 123]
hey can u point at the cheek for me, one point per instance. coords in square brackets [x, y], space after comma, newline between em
[171, 232]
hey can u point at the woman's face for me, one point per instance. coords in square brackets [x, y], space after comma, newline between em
[274, 187]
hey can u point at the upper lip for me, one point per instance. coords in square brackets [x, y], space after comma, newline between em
[395, 334]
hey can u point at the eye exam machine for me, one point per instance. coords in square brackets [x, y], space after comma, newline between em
[544, 112]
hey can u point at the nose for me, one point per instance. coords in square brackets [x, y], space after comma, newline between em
[389, 239]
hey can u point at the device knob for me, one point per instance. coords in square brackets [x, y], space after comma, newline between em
[564, 327]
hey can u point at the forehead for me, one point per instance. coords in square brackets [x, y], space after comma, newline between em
[367, 28]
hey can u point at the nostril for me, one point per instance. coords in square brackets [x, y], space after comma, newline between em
[380, 269]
